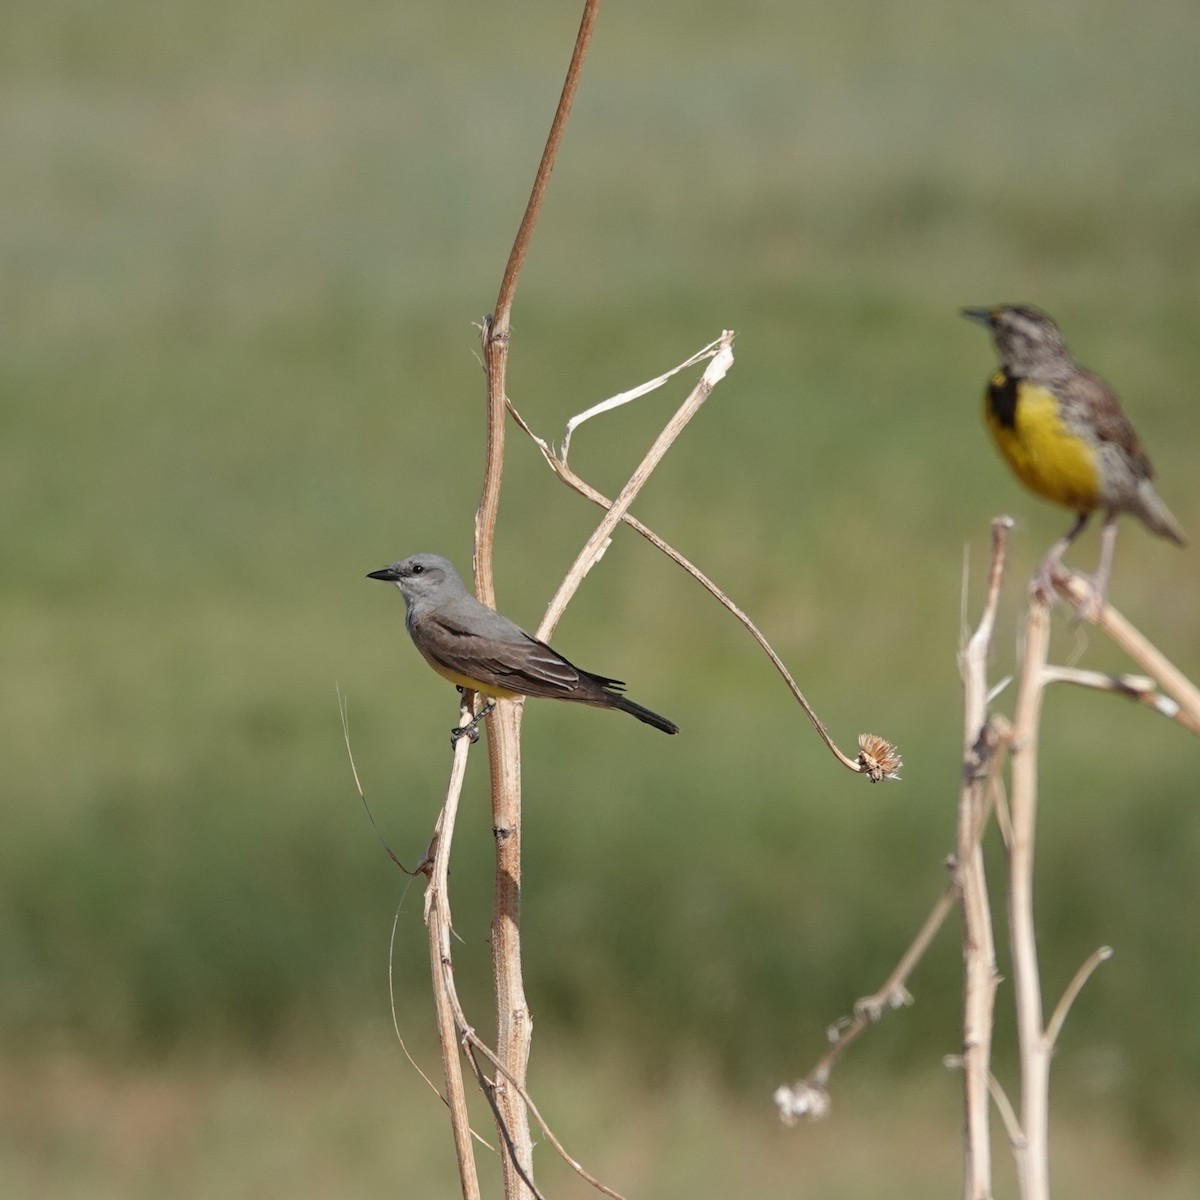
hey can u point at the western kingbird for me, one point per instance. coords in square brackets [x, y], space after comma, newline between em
[1064, 434]
[475, 647]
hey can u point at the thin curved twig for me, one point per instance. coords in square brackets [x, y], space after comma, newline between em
[474, 1041]
[884, 764]
[1072, 990]
[1008, 1115]
[892, 994]
[416, 1066]
[488, 1088]
[343, 710]
[594, 547]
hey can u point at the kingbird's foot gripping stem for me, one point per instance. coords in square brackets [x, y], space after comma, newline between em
[471, 728]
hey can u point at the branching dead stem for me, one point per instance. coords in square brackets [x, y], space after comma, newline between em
[877, 758]
[987, 741]
[985, 745]
[595, 546]
[1078, 591]
[475, 1043]
[809, 1098]
[400, 1036]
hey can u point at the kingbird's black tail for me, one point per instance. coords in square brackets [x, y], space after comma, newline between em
[643, 714]
[605, 692]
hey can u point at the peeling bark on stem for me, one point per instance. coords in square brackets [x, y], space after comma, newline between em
[1033, 1161]
[980, 743]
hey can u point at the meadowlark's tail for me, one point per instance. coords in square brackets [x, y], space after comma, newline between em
[1156, 516]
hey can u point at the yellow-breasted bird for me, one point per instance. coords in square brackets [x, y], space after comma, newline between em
[1064, 434]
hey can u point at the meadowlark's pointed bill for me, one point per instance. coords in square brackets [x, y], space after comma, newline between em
[1064, 434]
[475, 647]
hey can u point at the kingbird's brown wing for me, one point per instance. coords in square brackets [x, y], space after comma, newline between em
[506, 657]
[1093, 397]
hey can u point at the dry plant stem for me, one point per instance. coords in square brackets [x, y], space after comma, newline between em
[627, 397]
[496, 327]
[473, 1041]
[893, 993]
[1172, 681]
[1012, 1127]
[412, 1062]
[438, 921]
[514, 1024]
[1080, 978]
[973, 664]
[1033, 1163]
[595, 546]
[488, 1088]
[474, 1045]
[986, 742]
[514, 1029]
[345, 715]
[469, 1042]
[979, 971]
[585, 489]
[516, 258]
[980, 743]
[1135, 687]
[984, 745]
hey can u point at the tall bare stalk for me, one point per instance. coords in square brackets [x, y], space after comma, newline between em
[979, 947]
[987, 740]
[514, 1026]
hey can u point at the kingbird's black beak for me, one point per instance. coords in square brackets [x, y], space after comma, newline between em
[388, 575]
[982, 315]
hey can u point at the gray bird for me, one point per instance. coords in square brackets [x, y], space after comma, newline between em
[475, 647]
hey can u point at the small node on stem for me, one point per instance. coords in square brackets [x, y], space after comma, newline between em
[870, 1009]
[833, 1033]
[878, 758]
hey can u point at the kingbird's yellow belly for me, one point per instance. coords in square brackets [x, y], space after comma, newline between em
[1046, 456]
[476, 685]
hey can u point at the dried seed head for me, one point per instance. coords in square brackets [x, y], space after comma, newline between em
[801, 1100]
[878, 758]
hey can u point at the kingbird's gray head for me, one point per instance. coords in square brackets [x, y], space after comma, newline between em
[1028, 341]
[425, 579]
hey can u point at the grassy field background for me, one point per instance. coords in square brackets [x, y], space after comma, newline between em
[243, 245]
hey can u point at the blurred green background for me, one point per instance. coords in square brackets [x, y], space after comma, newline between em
[243, 245]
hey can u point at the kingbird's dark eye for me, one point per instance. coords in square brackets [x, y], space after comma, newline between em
[417, 568]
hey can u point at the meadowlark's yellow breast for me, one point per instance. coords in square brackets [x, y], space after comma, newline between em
[1046, 455]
